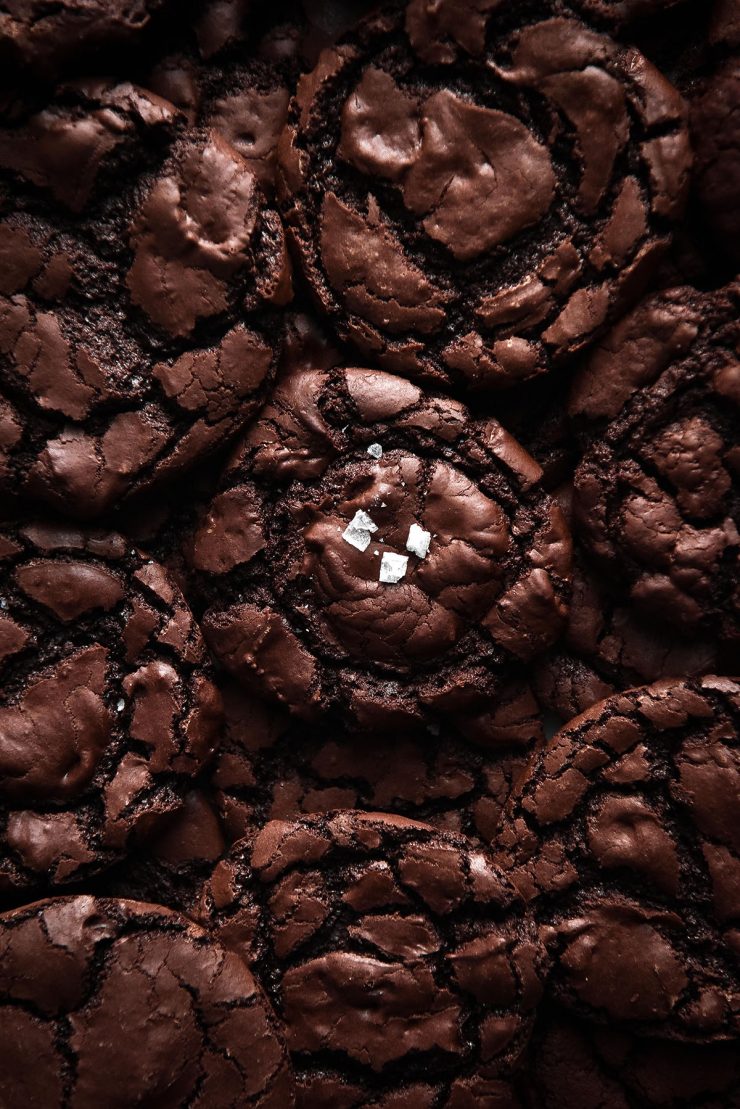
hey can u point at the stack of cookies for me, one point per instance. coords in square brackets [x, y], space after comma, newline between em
[369, 591]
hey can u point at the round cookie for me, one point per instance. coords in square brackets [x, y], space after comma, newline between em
[715, 131]
[475, 191]
[44, 39]
[657, 492]
[269, 766]
[140, 269]
[398, 957]
[118, 1004]
[574, 1066]
[379, 551]
[107, 709]
[624, 835]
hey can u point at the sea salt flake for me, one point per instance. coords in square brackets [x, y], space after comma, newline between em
[358, 531]
[393, 567]
[418, 541]
[375, 450]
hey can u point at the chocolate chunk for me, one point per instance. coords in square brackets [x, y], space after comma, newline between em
[657, 493]
[398, 955]
[115, 1003]
[624, 836]
[298, 605]
[107, 710]
[577, 1066]
[140, 269]
[477, 224]
[715, 130]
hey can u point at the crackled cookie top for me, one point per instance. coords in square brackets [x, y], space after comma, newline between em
[657, 493]
[107, 710]
[625, 835]
[108, 1002]
[715, 132]
[472, 193]
[398, 956]
[139, 261]
[379, 550]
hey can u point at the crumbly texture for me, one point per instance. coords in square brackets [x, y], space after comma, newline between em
[140, 267]
[715, 131]
[475, 191]
[657, 492]
[398, 956]
[107, 711]
[106, 1002]
[295, 604]
[45, 39]
[579, 1066]
[624, 834]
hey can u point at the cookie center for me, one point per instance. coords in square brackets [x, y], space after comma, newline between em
[403, 555]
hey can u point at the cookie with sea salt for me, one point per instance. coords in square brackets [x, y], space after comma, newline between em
[657, 491]
[380, 552]
[401, 960]
[474, 191]
[112, 1003]
[107, 710]
[140, 271]
[624, 835]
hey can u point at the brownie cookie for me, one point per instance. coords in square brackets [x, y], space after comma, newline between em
[657, 493]
[139, 264]
[118, 1004]
[474, 191]
[625, 835]
[398, 956]
[715, 130]
[379, 551]
[576, 1066]
[42, 38]
[107, 708]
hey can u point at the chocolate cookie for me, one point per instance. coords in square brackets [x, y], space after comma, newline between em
[657, 493]
[475, 191]
[139, 264]
[398, 956]
[715, 129]
[119, 1004]
[576, 1066]
[379, 551]
[45, 38]
[625, 835]
[107, 708]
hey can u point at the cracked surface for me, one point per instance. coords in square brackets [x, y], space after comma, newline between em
[715, 132]
[140, 265]
[107, 708]
[299, 612]
[657, 493]
[44, 38]
[574, 1066]
[397, 955]
[269, 767]
[624, 836]
[465, 218]
[107, 1002]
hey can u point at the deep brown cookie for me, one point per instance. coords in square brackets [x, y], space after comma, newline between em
[625, 835]
[107, 708]
[379, 551]
[398, 956]
[138, 266]
[118, 1004]
[474, 191]
[657, 493]
[715, 131]
[577, 1066]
